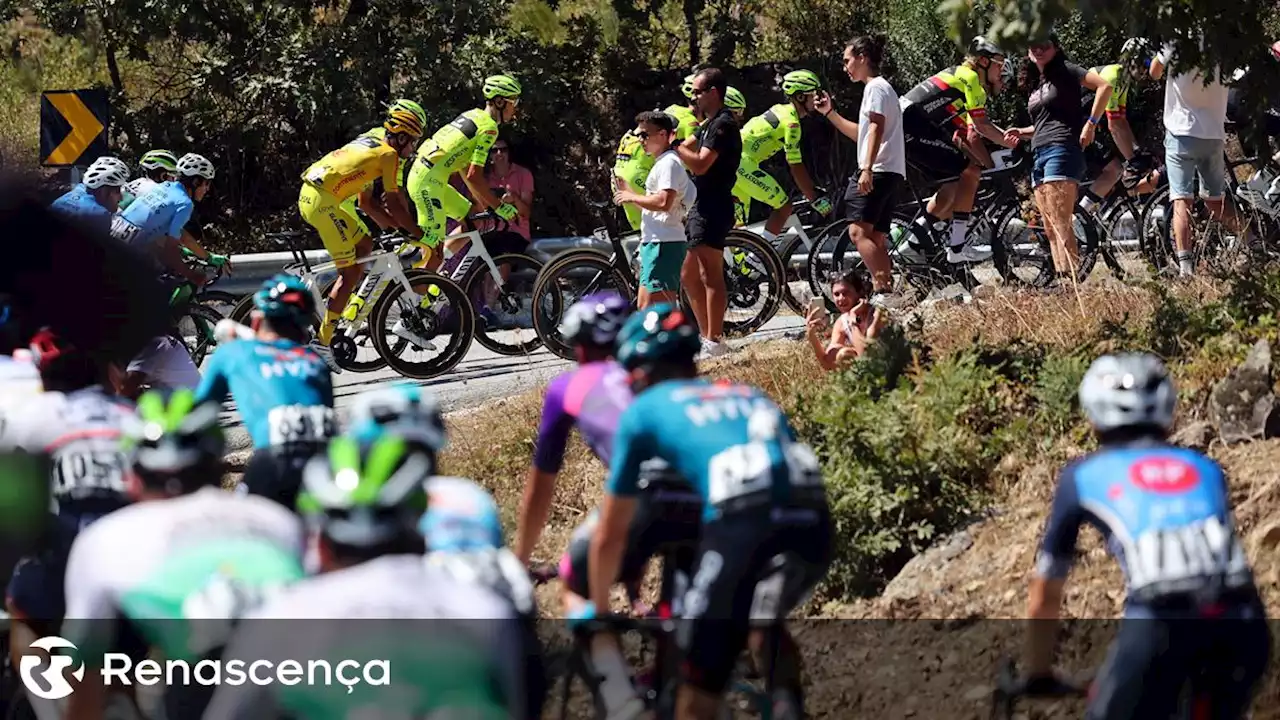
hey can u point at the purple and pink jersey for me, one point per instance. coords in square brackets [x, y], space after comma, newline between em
[591, 396]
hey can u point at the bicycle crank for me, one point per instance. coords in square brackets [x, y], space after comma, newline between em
[743, 293]
[343, 349]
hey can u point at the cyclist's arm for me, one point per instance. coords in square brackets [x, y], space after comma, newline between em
[619, 507]
[213, 383]
[371, 207]
[548, 458]
[479, 186]
[189, 242]
[795, 159]
[988, 130]
[1122, 134]
[1053, 563]
[170, 251]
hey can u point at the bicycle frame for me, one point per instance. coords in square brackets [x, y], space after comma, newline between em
[383, 268]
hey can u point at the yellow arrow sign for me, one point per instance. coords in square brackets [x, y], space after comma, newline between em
[84, 128]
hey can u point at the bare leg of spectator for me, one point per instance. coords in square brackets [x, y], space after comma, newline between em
[708, 265]
[1056, 201]
[691, 278]
[871, 246]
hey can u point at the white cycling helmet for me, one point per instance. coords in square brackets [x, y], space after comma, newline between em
[195, 165]
[106, 171]
[1128, 390]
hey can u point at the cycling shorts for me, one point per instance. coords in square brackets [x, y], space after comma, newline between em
[339, 230]
[276, 473]
[436, 202]
[755, 565]
[930, 148]
[1151, 659]
[635, 170]
[667, 517]
[755, 184]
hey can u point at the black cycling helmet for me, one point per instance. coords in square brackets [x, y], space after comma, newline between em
[177, 444]
[980, 46]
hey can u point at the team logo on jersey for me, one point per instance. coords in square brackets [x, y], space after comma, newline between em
[1164, 475]
[53, 677]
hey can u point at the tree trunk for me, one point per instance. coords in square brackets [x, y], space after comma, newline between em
[691, 10]
[124, 122]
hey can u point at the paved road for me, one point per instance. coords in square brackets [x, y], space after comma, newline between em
[481, 376]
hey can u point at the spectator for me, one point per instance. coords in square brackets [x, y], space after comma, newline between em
[882, 161]
[1195, 114]
[513, 184]
[668, 194]
[712, 154]
[1058, 137]
[856, 326]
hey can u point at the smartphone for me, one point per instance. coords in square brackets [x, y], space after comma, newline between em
[817, 304]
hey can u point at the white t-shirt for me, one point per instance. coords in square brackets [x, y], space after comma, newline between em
[879, 97]
[668, 173]
[1192, 108]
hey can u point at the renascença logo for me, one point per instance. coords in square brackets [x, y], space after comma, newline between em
[53, 675]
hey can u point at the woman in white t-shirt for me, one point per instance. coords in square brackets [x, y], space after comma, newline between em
[882, 165]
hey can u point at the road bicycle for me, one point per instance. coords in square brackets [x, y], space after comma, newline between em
[795, 241]
[197, 315]
[506, 329]
[430, 310]
[753, 280]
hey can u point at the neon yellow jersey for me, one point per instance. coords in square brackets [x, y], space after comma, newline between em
[688, 121]
[352, 168]
[954, 96]
[1115, 75]
[778, 128]
[465, 141]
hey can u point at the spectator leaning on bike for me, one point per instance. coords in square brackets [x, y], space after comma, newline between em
[1058, 137]
[668, 193]
[1195, 114]
[853, 330]
[882, 160]
[712, 155]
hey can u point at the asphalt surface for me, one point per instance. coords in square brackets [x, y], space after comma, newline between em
[481, 376]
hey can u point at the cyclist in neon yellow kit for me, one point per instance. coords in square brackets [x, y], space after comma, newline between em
[778, 128]
[632, 164]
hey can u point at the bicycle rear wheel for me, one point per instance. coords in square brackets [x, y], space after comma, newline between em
[511, 331]
[565, 280]
[793, 280]
[753, 279]
[195, 330]
[410, 335]
[820, 266]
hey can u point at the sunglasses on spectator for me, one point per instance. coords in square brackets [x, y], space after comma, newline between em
[644, 135]
[501, 149]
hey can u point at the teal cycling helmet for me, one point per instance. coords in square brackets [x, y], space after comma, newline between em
[159, 160]
[408, 106]
[735, 100]
[501, 86]
[686, 88]
[286, 296]
[660, 333]
[365, 494]
[800, 81]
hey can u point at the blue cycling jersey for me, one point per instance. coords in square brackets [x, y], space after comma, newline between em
[461, 517]
[728, 440]
[163, 211]
[283, 390]
[79, 203]
[1165, 515]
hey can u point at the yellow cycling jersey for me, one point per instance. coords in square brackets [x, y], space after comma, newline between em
[1115, 75]
[954, 96]
[778, 128]
[353, 168]
[464, 141]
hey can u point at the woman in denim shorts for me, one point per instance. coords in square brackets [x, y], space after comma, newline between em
[1058, 137]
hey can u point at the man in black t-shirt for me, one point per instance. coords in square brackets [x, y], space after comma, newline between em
[711, 155]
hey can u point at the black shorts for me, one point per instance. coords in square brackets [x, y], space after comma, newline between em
[876, 207]
[929, 148]
[1098, 155]
[668, 519]
[276, 474]
[755, 566]
[709, 231]
[1222, 659]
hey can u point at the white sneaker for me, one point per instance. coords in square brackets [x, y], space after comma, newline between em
[888, 301]
[399, 330]
[711, 348]
[969, 254]
[325, 354]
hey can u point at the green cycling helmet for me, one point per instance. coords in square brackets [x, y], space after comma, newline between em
[159, 159]
[800, 81]
[177, 445]
[734, 99]
[687, 86]
[365, 494]
[659, 333]
[409, 106]
[503, 86]
[286, 296]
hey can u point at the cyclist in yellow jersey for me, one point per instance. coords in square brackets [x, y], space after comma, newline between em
[632, 164]
[762, 137]
[350, 171]
[944, 121]
[379, 132]
[461, 147]
[1136, 58]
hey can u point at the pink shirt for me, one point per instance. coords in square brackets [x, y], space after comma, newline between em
[518, 181]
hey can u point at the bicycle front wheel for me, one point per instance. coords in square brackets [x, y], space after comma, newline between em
[506, 322]
[426, 336]
[195, 329]
[565, 280]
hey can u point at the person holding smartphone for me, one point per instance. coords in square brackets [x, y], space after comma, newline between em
[858, 323]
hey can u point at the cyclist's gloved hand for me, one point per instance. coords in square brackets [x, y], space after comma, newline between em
[822, 206]
[507, 211]
[585, 613]
[219, 260]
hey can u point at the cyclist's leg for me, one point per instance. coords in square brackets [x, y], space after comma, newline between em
[342, 238]
[757, 184]
[430, 212]
[1105, 181]
[1230, 673]
[456, 206]
[1144, 673]
[741, 201]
